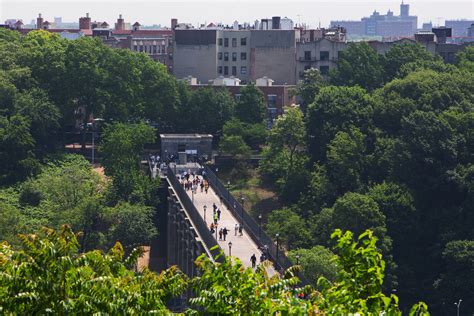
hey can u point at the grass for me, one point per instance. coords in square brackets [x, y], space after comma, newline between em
[257, 199]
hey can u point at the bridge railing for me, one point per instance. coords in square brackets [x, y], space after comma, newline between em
[204, 232]
[250, 226]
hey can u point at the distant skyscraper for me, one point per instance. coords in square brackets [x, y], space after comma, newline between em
[388, 25]
[460, 27]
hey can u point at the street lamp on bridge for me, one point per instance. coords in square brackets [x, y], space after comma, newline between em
[260, 226]
[458, 304]
[204, 207]
[277, 235]
[230, 248]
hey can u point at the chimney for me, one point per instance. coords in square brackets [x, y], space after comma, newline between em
[174, 23]
[39, 22]
[120, 25]
[85, 22]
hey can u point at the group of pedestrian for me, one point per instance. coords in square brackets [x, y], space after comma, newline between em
[191, 181]
[238, 228]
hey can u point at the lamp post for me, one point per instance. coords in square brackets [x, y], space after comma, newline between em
[277, 242]
[242, 201]
[215, 227]
[297, 260]
[217, 170]
[228, 192]
[260, 226]
[230, 248]
[458, 304]
[204, 207]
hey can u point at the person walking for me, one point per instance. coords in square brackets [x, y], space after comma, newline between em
[220, 234]
[215, 218]
[219, 214]
[202, 186]
[225, 231]
[253, 259]
[262, 258]
[236, 229]
[241, 228]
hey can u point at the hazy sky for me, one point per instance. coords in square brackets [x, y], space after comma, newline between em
[311, 12]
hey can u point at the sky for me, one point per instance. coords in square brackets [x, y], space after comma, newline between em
[311, 12]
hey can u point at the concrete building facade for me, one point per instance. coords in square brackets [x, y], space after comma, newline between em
[246, 54]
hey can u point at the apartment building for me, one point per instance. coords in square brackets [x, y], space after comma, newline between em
[247, 54]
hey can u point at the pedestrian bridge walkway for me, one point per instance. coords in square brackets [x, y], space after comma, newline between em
[242, 247]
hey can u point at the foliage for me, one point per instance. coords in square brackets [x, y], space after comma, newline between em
[358, 65]
[315, 262]
[309, 87]
[291, 228]
[235, 146]
[465, 59]
[251, 106]
[49, 275]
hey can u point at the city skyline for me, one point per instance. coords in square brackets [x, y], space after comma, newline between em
[160, 12]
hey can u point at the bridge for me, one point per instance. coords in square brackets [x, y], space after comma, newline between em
[188, 233]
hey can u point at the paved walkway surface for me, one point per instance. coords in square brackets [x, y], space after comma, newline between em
[242, 246]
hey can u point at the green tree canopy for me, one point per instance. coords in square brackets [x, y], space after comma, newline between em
[358, 65]
[251, 106]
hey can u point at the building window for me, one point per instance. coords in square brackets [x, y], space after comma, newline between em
[243, 41]
[226, 42]
[324, 55]
[234, 42]
[271, 101]
[226, 70]
[243, 70]
[155, 49]
[219, 70]
[219, 56]
[234, 71]
[234, 56]
[324, 70]
[307, 55]
[226, 56]
[243, 56]
[219, 41]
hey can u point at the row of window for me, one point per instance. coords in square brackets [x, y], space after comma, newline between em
[243, 56]
[150, 49]
[225, 42]
[323, 55]
[224, 70]
[324, 70]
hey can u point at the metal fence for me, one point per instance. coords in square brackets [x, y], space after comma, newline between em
[204, 232]
[250, 226]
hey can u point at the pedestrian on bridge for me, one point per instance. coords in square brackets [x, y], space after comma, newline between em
[241, 228]
[253, 259]
[215, 218]
[219, 214]
[236, 229]
[202, 186]
[225, 231]
[220, 234]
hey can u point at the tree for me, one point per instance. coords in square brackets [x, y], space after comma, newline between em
[309, 87]
[85, 59]
[251, 106]
[235, 146]
[48, 275]
[465, 59]
[131, 225]
[336, 109]
[403, 54]
[315, 262]
[122, 147]
[358, 65]
[458, 282]
[346, 163]
[290, 226]
[358, 289]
